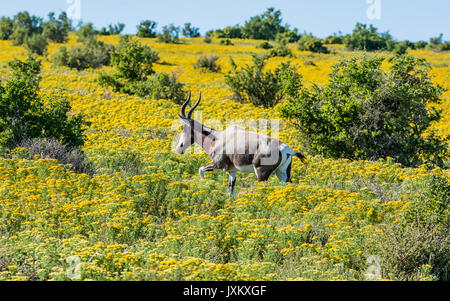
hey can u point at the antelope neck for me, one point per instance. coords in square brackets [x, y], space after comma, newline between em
[204, 137]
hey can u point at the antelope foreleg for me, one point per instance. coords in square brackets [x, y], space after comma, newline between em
[209, 167]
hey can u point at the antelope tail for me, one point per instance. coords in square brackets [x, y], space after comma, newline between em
[301, 157]
[291, 152]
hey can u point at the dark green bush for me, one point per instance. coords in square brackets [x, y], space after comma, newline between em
[36, 43]
[91, 54]
[112, 29]
[288, 36]
[133, 64]
[207, 40]
[310, 43]
[166, 86]
[252, 84]
[57, 30]
[159, 86]
[170, 34]
[6, 28]
[226, 42]
[367, 38]
[280, 50]
[87, 32]
[264, 45]
[334, 39]
[207, 63]
[436, 41]
[147, 29]
[265, 26]
[132, 61]
[229, 32]
[367, 113]
[26, 114]
[444, 46]
[25, 26]
[190, 31]
[400, 48]
[420, 45]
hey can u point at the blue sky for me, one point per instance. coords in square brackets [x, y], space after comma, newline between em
[404, 19]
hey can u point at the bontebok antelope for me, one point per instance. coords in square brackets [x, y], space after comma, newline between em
[236, 149]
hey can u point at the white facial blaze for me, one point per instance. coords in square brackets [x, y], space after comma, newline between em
[180, 146]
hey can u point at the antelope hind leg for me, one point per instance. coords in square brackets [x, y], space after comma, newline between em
[231, 182]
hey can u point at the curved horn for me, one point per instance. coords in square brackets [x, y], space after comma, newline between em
[183, 107]
[193, 108]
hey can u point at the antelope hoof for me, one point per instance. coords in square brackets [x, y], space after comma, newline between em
[201, 172]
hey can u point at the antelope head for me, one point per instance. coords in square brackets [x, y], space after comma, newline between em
[187, 128]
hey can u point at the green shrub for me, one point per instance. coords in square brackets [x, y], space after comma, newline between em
[127, 162]
[367, 38]
[288, 36]
[207, 40]
[57, 30]
[406, 250]
[400, 48]
[444, 46]
[91, 54]
[133, 64]
[159, 86]
[26, 114]
[6, 28]
[280, 50]
[432, 205]
[310, 43]
[36, 43]
[420, 45]
[25, 26]
[366, 113]
[86, 32]
[436, 41]
[170, 34]
[146, 29]
[252, 84]
[132, 60]
[265, 26]
[207, 63]
[226, 42]
[334, 39]
[229, 32]
[112, 29]
[190, 32]
[264, 45]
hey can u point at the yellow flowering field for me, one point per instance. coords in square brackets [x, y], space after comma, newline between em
[166, 224]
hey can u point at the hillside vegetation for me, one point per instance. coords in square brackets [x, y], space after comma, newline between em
[142, 213]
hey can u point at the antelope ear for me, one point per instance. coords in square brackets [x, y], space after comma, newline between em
[185, 120]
